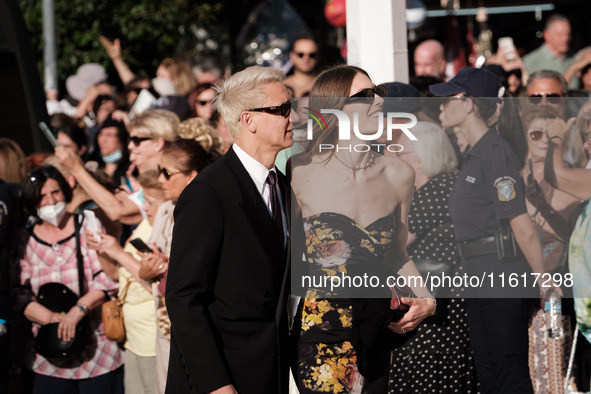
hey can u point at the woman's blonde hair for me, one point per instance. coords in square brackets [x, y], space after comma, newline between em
[155, 123]
[181, 75]
[13, 162]
[202, 131]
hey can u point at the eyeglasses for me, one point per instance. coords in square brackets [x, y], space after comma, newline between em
[536, 135]
[446, 100]
[379, 90]
[138, 140]
[283, 109]
[167, 174]
[552, 98]
[204, 102]
[311, 55]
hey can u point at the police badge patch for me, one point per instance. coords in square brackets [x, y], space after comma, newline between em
[505, 190]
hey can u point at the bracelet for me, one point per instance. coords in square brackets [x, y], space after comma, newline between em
[434, 301]
[83, 308]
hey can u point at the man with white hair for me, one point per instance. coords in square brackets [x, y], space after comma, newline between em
[429, 59]
[226, 290]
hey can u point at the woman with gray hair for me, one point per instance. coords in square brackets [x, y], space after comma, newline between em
[442, 340]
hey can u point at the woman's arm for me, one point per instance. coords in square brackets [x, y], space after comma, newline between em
[529, 243]
[67, 327]
[123, 210]
[39, 314]
[114, 51]
[574, 181]
[424, 306]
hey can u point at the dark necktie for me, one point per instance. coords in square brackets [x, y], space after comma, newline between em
[275, 204]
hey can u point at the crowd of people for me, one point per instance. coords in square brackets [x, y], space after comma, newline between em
[215, 194]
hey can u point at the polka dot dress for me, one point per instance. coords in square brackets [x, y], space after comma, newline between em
[436, 357]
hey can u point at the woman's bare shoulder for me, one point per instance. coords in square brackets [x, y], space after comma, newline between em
[398, 172]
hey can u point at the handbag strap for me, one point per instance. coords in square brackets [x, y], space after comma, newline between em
[81, 277]
[124, 293]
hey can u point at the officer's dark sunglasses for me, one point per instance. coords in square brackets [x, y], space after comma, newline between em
[552, 98]
[379, 90]
[283, 109]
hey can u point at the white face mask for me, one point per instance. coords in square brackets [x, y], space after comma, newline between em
[52, 213]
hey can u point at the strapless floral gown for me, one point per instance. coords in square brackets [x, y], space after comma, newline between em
[327, 360]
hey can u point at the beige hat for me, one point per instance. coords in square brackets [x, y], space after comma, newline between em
[87, 75]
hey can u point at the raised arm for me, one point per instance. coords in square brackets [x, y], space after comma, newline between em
[123, 210]
[574, 181]
[114, 51]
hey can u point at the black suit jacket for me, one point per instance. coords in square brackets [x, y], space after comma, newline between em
[227, 286]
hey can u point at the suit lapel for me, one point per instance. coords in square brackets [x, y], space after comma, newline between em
[255, 209]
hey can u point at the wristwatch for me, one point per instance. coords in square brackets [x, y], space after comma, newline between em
[83, 308]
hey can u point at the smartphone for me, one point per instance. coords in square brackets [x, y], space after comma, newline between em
[507, 47]
[47, 132]
[140, 245]
[92, 224]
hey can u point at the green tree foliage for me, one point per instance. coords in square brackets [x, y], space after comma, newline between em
[149, 31]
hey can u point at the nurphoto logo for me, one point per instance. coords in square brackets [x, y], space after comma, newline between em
[392, 123]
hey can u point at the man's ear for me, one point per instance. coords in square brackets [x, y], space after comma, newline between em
[248, 121]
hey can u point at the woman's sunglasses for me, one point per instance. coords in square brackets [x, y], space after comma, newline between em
[379, 90]
[138, 140]
[42, 175]
[536, 135]
[204, 102]
[283, 109]
[167, 174]
[552, 98]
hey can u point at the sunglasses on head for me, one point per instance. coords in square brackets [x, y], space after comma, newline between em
[379, 90]
[552, 98]
[311, 55]
[167, 174]
[536, 135]
[138, 140]
[41, 175]
[283, 109]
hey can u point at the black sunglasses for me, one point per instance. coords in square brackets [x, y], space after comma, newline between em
[552, 98]
[283, 109]
[379, 90]
[41, 175]
[167, 174]
[536, 135]
[204, 102]
[311, 55]
[138, 140]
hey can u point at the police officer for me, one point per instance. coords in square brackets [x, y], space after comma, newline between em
[489, 197]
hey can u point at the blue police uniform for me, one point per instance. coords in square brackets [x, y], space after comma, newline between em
[490, 189]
